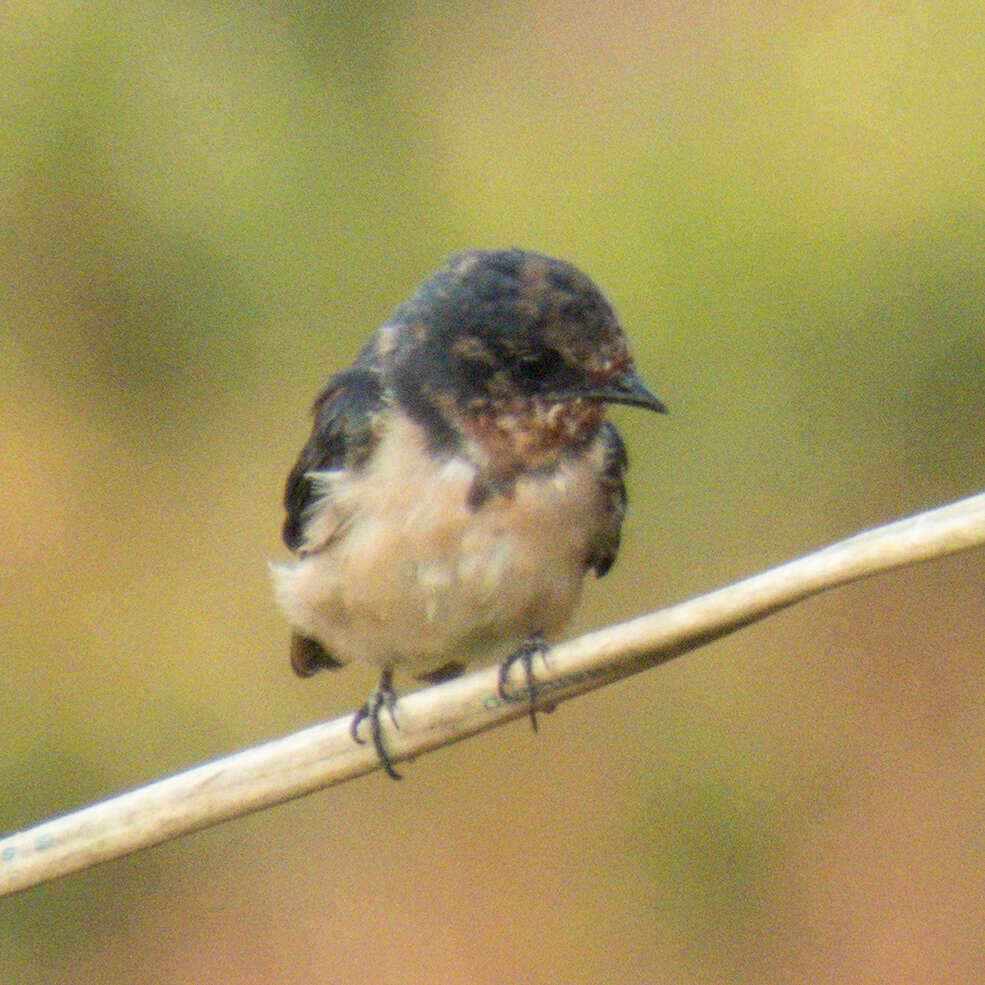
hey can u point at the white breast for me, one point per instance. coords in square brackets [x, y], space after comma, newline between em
[409, 574]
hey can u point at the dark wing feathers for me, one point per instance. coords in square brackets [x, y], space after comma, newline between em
[342, 436]
[606, 546]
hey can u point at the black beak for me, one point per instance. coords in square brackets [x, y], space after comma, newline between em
[626, 388]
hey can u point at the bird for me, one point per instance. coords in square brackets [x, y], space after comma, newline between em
[460, 479]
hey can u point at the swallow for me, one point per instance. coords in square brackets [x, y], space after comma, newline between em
[460, 479]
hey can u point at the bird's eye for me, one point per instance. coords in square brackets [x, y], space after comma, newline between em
[536, 366]
[541, 369]
[476, 371]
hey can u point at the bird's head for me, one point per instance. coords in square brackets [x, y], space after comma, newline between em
[512, 352]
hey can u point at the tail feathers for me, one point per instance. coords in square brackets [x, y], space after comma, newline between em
[308, 656]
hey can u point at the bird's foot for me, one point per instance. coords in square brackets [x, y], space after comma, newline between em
[383, 697]
[534, 645]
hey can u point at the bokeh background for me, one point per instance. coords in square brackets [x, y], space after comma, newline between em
[206, 209]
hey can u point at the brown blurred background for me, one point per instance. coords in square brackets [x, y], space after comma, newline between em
[207, 207]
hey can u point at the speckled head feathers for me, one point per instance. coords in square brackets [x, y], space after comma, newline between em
[494, 326]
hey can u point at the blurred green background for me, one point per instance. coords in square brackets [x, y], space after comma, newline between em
[206, 210]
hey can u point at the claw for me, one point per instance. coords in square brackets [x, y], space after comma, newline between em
[383, 697]
[524, 654]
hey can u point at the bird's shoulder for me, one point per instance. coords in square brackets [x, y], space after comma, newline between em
[344, 433]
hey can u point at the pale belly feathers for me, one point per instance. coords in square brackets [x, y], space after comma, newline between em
[400, 571]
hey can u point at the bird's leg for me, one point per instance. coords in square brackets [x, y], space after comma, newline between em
[383, 697]
[524, 654]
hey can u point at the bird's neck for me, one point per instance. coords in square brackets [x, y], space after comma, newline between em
[527, 432]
